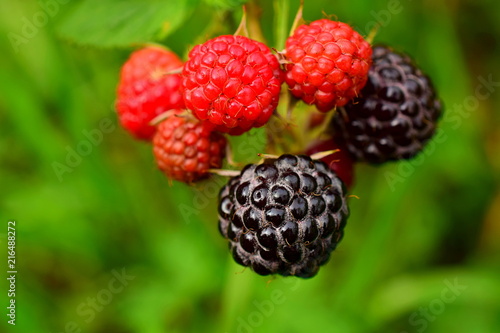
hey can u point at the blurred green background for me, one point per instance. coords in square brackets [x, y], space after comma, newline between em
[106, 245]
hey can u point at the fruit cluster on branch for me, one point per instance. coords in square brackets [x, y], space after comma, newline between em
[286, 214]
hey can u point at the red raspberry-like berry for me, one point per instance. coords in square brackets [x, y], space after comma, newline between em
[233, 82]
[340, 162]
[329, 63]
[145, 91]
[186, 148]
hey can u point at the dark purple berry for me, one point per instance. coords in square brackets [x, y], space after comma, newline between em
[283, 217]
[396, 114]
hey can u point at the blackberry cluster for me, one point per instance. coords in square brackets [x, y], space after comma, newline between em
[396, 113]
[285, 216]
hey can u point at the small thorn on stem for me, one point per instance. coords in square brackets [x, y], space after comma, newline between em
[224, 173]
[322, 154]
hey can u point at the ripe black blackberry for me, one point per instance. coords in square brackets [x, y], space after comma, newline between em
[283, 217]
[396, 113]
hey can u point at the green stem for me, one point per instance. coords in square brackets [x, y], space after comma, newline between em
[281, 11]
[253, 21]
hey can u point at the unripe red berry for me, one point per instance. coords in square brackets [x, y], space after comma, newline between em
[146, 91]
[233, 82]
[328, 63]
[185, 148]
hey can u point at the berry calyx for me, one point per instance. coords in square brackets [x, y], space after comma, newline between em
[185, 148]
[145, 90]
[283, 217]
[328, 63]
[396, 114]
[233, 82]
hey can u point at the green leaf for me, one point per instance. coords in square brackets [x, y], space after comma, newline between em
[117, 23]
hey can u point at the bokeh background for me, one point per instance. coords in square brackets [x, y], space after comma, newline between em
[107, 245]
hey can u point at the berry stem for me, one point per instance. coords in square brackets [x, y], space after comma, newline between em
[298, 18]
[281, 10]
[278, 134]
[254, 13]
[230, 156]
[242, 28]
[324, 126]
[284, 129]
[373, 33]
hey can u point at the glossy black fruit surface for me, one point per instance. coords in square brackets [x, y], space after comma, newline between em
[285, 216]
[395, 115]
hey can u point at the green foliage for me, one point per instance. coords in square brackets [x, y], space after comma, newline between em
[416, 227]
[124, 22]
